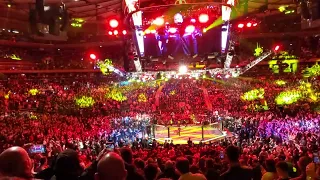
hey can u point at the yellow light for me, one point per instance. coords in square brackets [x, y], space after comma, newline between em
[9, 5]
[282, 8]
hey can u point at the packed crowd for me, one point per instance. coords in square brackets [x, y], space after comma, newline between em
[180, 99]
[121, 117]
[223, 160]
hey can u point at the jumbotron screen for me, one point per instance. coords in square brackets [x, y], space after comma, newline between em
[182, 31]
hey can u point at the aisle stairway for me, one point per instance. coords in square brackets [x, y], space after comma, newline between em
[206, 98]
[157, 96]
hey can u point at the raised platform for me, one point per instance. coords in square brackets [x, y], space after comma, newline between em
[194, 132]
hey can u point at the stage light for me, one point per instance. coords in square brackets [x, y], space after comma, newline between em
[193, 20]
[173, 30]
[159, 21]
[124, 32]
[203, 18]
[153, 31]
[115, 32]
[113, 23]
[240, 25]
[93, 56]
[147, 31]
[204, 30]
[283, 8]
[110, 33]
[183, 69]
[249, 24]
[255, 24]
[276, 48]
[190, 29]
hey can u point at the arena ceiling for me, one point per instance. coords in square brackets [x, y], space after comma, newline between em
[16, 12]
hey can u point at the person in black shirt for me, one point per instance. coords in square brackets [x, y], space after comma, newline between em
[189, 142]
[127, 156]
[283, 170]
[235, 171]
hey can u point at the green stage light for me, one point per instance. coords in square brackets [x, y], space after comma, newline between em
[288, 97]
[33, 92]
[105, 66]
[312, 71]
[280, 82]
[283, 8]
[253, 95]
[116, 95]
[258, 51]
[85, 102]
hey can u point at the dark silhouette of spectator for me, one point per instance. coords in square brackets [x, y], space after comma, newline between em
[270, 168]
[15, 163]
[140, 165]
[169, 171]
[211, 172]
[151, 172]
[111, 167]
[67, 166]
[302, 164]
[183, 166]
[126, 155]
[282, 168]
[235, 170]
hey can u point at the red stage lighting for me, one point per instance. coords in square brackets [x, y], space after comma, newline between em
[276, 48]
[113, 23]
[203, 18]
[240, 26]
[190, 29]
[110, 33]
[115, 32]
[249, 24]
[159, 21]
[93, 56]
[124, 32]
[255, 24]
[173, 30]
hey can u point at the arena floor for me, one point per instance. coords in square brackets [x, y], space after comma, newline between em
[186, 132]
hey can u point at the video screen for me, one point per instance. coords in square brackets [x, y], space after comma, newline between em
[35, 149]
[182, 31]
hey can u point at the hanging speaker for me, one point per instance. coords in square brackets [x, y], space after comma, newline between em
[318, 8]
[305, 10]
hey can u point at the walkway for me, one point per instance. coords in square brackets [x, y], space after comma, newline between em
[206, 98]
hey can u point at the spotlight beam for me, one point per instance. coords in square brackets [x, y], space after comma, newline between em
[255, 62]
